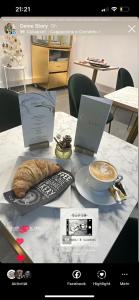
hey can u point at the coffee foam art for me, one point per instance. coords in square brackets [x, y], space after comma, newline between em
[103, 171]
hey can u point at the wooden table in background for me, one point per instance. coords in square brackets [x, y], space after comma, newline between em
[95, 69]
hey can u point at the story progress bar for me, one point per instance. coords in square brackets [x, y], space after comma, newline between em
[69, 296]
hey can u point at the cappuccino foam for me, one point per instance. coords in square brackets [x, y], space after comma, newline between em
[103, 171]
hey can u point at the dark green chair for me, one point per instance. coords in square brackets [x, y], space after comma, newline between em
[79, 84]
[9, 110]
[123, 79]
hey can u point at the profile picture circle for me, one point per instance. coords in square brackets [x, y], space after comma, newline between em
[8, 28]
[27, 274]
[11, 274]
[19, 274]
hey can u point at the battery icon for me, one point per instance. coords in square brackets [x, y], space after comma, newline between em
[124, 9]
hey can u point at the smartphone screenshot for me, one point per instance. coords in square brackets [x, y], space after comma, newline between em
[69, 152]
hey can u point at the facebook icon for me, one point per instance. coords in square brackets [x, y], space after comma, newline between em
[76, 274]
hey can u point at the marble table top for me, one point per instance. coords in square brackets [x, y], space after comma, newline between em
[126, 97]
[42, 242]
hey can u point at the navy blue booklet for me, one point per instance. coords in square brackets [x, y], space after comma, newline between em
[44, 192]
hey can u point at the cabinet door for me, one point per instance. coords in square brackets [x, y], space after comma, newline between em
[57, 80]
[39, 64]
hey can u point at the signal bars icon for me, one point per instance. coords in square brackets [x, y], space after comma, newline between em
[106, 9]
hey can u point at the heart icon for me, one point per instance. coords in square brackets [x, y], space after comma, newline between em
[20, 258]
[20, 241]
[101, 274]
[23, 228]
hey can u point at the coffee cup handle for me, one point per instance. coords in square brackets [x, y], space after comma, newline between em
[118, 179]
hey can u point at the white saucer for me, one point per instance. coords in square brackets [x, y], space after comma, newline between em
[84, 187]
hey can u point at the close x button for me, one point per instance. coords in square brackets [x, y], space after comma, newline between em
[131, 28]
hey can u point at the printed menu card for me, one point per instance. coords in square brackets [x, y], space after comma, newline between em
[93, 115]
[37, 116]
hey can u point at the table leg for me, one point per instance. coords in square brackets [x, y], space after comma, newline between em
[133, 132]
[5, 74]
[94, 76]
[24, 80]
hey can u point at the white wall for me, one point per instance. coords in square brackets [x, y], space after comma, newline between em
[121, 51]
[117, 50]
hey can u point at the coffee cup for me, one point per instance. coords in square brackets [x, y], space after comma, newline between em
[103, 175]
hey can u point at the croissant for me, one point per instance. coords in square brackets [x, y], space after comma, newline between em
[31, 172]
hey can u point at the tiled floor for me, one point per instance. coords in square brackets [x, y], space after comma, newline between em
[118, 128]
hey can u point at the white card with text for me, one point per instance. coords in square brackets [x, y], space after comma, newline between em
[92, 117]
[78, 227]
[37, 116]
